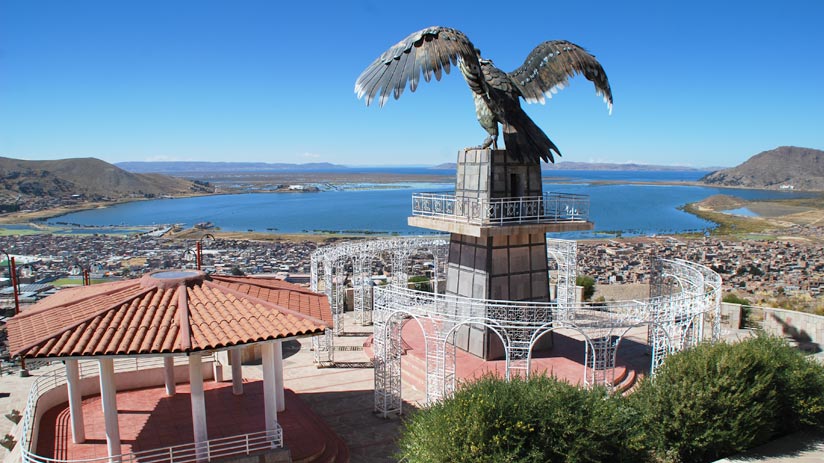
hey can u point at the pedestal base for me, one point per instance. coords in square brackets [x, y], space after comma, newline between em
[506, 267]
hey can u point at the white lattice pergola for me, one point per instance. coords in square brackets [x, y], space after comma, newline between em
[676, 320]
[684, 298]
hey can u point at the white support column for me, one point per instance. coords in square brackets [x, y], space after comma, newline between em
[267, 350]
[279, 396]
[237, 370]
[75, 401]
[108, 398]
[198, 406]
[169, 375]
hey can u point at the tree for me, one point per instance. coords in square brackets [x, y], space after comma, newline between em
[588, 283]
[421, 283]
[237, 271]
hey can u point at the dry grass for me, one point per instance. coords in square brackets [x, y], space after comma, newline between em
[729, 224]
[774, 215]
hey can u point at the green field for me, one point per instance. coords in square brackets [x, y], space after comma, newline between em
[18, 232]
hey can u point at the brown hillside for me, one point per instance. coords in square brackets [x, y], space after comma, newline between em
[801, 168]
[89, 177]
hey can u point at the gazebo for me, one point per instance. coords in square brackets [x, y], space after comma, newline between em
[169, 314]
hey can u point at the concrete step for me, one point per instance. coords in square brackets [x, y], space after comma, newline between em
[329, 455]
[311, 458]
[621, 374]
[413, 370]
[318, 443]
[625, 386]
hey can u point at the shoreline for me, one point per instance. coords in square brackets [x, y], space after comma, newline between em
[725, 224]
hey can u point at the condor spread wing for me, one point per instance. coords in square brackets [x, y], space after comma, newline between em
[550, 65]
[428, 51]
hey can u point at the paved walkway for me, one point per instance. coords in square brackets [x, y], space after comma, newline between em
[797, 448]
[14, 392]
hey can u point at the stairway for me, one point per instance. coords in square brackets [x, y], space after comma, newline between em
[317, 442]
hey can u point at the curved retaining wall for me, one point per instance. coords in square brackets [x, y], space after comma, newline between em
[803, 329]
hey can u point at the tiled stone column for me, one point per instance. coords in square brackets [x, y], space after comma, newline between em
[507, 265]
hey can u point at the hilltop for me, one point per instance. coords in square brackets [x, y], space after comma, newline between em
[35, 184]
[786, 167]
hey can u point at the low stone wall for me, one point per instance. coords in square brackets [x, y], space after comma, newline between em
[803, 329]
[731, 316]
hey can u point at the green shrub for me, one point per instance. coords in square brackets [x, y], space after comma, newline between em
[800, 381]
[421, 283]
[588, 283]
[716, 400]
[536, 420]
[733, 298]
[705, 403]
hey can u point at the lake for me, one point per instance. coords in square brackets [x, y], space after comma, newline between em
[631, 209]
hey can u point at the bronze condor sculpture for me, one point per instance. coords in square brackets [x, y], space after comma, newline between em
[546, 70]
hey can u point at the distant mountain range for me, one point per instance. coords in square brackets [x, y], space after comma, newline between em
[92, 178]
[567, 165]
[193, 168]
[786, 167]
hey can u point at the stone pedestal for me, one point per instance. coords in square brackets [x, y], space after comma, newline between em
[506, 260]
[489, 174]
[508, 267]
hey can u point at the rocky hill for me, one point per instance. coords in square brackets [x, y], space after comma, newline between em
[786, 167]
[82, 178]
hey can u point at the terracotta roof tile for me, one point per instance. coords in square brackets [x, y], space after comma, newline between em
[143, 316]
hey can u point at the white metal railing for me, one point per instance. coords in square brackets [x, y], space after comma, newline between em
[222, 447]
[549, 208]
[242, 444]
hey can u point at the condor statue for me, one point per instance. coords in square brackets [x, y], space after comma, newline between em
[546, 70]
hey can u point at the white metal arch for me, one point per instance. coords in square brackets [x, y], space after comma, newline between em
[557, 326]
[493, 325]
[387, 345]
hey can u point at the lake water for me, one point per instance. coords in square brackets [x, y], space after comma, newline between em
[631, 209]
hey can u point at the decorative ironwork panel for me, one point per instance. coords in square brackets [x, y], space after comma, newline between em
[323, 347]
[565, 255]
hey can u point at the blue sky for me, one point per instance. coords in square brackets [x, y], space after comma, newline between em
[699, 83]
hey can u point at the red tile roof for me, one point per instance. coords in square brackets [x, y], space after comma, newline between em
[166, 312]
